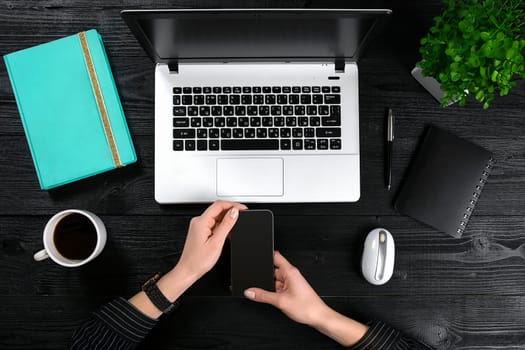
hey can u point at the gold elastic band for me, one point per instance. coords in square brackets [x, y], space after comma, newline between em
[100, 101]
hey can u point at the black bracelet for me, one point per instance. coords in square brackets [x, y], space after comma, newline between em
[156, 297]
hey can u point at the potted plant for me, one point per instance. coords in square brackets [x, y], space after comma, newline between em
[474, 48]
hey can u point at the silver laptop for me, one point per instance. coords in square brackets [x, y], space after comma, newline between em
[255, 105]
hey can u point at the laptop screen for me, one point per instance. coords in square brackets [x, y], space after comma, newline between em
[252, 34]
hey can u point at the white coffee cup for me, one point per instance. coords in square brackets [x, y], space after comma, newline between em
[50, 250]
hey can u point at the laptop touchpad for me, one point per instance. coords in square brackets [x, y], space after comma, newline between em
[250, 177]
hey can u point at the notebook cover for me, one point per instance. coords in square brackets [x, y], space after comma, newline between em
[444, 181]
[59, 113]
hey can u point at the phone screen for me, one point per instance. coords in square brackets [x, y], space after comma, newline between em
[252, 251]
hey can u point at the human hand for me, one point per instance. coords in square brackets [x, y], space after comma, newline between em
[293, 294]
[206, 236]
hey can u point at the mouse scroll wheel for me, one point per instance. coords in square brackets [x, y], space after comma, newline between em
[381, 256]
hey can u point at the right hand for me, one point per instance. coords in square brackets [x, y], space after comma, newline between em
[293, 295]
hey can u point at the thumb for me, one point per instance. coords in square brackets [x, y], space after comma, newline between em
[262, 296]
[227, 223]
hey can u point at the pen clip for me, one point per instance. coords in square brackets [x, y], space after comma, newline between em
[390, 129]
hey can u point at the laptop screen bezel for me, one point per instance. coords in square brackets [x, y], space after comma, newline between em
[133, 18]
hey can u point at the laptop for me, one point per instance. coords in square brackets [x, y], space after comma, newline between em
[255, 105]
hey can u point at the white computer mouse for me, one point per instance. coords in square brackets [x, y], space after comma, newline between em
[377, 263]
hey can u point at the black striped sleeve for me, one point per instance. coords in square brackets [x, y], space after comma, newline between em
[380, 336]
[116, 325]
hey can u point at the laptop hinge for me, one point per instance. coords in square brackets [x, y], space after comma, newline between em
[340, 65]
[173, 67]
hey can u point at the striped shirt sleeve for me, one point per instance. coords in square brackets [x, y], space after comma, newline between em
[116, 325]
[380, 336]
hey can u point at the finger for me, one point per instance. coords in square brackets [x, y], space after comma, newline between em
[218, 207]
[262, 296]
[278, 274]
[223, 228]
[279, 286]
[280, 261]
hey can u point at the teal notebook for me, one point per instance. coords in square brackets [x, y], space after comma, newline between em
[70, 109]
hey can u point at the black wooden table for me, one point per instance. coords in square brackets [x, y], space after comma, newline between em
[466, 293]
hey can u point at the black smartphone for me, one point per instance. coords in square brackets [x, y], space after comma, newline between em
[252, 251]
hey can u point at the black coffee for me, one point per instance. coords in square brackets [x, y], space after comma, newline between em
[75, 237]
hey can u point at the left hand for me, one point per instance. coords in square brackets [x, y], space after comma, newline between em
[206, 236]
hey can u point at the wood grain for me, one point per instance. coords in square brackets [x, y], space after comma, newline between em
[465, 293]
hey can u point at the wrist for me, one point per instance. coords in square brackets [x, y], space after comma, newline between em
[174, 283]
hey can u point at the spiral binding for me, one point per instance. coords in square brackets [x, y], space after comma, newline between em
[475, 195]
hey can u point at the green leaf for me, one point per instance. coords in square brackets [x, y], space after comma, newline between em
[494, 75]
[485, 36]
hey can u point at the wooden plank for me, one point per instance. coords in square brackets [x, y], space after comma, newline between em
[444, 322]
[489, 259]
[119, 191]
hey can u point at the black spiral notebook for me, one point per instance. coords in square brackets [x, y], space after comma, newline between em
[444, 181]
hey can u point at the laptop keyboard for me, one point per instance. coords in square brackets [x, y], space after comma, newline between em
[256, 118]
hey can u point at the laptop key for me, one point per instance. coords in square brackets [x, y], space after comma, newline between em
[297, 132]
[207, 122]
[178, 145]
[267, 121]
[286, 132]
[246, 99]
[336, 89]
[204, 111]
[306, 90]
[293, 99]
[196, 122]
[176, 99]
[256, 89]
[249, 145]
[325, 89]
[197, 90]
[219, 122]
[202, 133]
[331, 99]
[286, 144]
[311, 110]
[187, 100]
[186, 90]
[269, 99]
[309, 132]
[211, 99]
[335, 111]
[255, 121]
[315, 121]
[266, 89]
[198, 99]
[206, 90]
[227, 90]
[237, 90]
[202, 145]
[214, 145]
[238, 133]
[193, 111]
[309, 144]
[302, 121]
[213, 133]
[258, 99]
[181, 122]
[324, 110]
[216, 111]
[227, 110]
[177, 90]
[278, 121]
[335, 143]
[322, 143]
[291, 121]
[244, 121]
[235, 99]
[328, 132]
[179, 111]
[251, 110]
[249, 133]
[297, 144]
[282, 99]
[222, 99]
[316, 89]
[240, 110]
[190, 145]
[261, 133]
[287, 110]
[231, 121]
[299, 110]
[264, 110]
[183, 133]
[276, 110]
[287, 89]
[331, 121]
[317, 99]
[273, 133]
[217, 90]
[246, 90]
[276, 89]
[306, 99]
[226, 133]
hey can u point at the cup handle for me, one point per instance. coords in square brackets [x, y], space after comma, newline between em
[41, 255]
